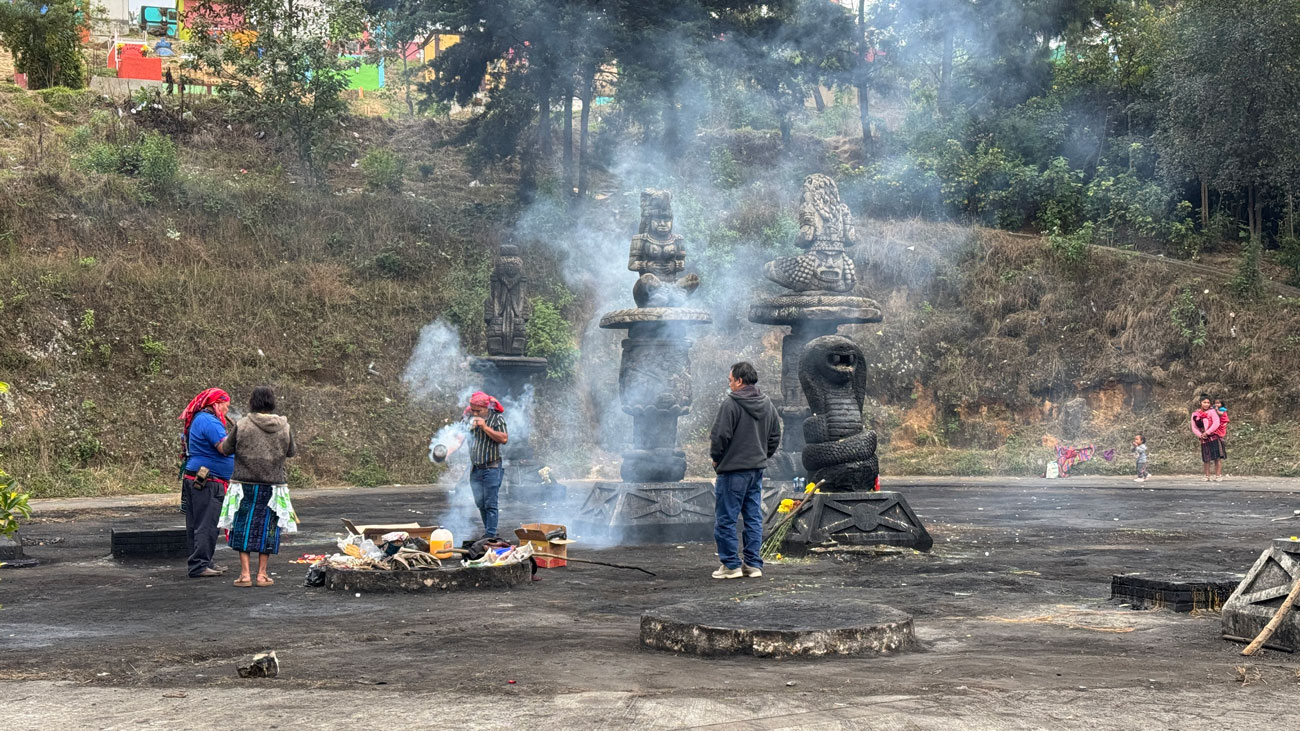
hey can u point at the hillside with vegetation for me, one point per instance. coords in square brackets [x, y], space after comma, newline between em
[1033, 237]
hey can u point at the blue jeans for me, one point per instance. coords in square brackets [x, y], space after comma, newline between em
[485, 483]
[738, 493]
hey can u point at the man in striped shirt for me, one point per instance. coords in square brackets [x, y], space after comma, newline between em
[487, 432]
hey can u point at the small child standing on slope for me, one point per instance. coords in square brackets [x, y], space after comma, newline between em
[1140, 449]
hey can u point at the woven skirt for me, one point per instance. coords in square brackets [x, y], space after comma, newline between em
[256, 528]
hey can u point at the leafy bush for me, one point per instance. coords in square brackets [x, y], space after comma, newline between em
[13, 504]
[368, 472]
[383, 169]
[45, 39]
[550, 337]
[1187, 318]
[152, 157]
[1075, 248]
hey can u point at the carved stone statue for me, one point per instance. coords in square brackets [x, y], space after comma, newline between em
[659, 255]
[838, 449]
[506, 310]
[825, 229]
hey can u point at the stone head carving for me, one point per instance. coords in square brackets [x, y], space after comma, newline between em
[824, 221]
[825, 229]
[656, 214]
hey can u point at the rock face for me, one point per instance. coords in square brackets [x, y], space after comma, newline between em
[827, 623]
[837, 452]
[654, 376]
[821, 300]
[1259, 595]
[1073, 415]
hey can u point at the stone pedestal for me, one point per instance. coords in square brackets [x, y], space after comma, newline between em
[1259, 595]
[808, 316]
[654, 384]
[647, 513]
[11, 553]
[825, 623]
[510, 379]
[856, 519]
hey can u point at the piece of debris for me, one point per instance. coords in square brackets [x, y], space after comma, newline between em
[264, 665]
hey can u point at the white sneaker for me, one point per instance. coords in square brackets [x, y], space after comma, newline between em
[1219, 478]
[750, 572]
[725, 573]
[1205, 479]
[1141, 479]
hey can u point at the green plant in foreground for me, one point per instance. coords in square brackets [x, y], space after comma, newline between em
[13, 504]
[383, 169]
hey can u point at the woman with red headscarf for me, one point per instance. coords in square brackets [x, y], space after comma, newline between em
[204, 477]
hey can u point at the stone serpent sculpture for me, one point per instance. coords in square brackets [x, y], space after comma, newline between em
[839, 451]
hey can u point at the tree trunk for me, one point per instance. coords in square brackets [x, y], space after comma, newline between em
[817, 98]
[863, 84]
[588, 81]
[1258, 233]
[672, 125]
[568, 137]
[945, 74]
[544, 119]
[1205, 205]
[864, 115]
[406, 84]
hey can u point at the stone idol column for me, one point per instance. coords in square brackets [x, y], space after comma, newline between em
[508, 373]
[820, 299]
[651, 503]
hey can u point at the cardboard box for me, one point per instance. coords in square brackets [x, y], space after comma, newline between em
[535, 534]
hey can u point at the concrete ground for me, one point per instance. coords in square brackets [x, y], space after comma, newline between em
[1012, 606]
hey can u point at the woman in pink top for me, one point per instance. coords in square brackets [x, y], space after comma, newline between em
[1205, 425]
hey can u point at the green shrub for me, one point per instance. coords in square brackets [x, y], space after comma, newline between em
[368, 472]
[550, 337]
[151, 157]
[155, 351]
[1186, 316]
[1075, 248]
[63, 99]
[383, 169]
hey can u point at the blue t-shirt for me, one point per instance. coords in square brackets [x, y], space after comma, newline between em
[205, 431]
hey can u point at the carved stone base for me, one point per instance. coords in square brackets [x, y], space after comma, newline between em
[653, 465]
[792, 309]
[1259, 595]
[857, 519]
[643, 513]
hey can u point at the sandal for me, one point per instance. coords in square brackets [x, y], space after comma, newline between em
[243, 582]
[265, 581]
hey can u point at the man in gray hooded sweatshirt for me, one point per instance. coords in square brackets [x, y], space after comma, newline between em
[745, 435]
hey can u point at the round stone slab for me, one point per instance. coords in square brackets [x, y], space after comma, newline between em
[788, 625]
[788, 309]
[624, 319]
[459, 578]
